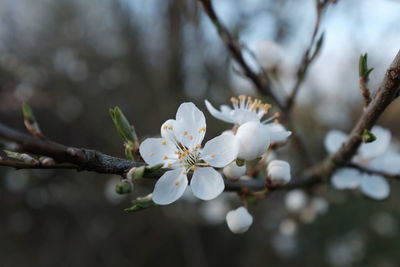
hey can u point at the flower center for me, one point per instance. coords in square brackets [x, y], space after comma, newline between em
[248, 103]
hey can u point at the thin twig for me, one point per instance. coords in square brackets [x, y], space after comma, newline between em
[307, 58]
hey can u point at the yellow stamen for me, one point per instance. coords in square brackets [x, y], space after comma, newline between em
[152, 154]
[213, 155]
[177, 183]
[190, 137]
[164, 143]
[165, 158]
[185, 132]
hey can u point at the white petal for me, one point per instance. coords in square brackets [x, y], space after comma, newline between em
[388, 162]
[222, 115]
[379, 146]
[346, 178]
[253, 138]
[277, 132]
[241, 116]
[334, 140]
[375, 186]
[170, 187]
[233, 171]
[167, 129]
[221, 150]
[239, 220]
[158, 150]
[207, 183]
[190, 125]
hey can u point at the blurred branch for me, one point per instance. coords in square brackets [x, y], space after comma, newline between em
[308, 57]
[260, 82]
[376, 172]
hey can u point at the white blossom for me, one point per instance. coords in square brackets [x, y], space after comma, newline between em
[233, 171]
[239, 220]
[180, 149]
[278, 172]
[375, 155]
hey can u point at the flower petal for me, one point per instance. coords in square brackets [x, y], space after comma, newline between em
[334, 140]
[221, 150]
[253, 138]
[167, 129]
[346, 178]
[375, 186]
[277, 132]
[158, 150]
[222, 115]
[241, 116]
[379, 146]
[170, 187]
[190, 125]
[388, 162]
[207, 183]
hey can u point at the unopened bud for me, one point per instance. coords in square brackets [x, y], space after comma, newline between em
[28, 159]
[46, 161]
[233, 171]
[135, 173]
[239, 220]
[124, 187]
[278, 172]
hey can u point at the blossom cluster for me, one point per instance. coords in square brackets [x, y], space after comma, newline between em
[377, 156]
[180, 150]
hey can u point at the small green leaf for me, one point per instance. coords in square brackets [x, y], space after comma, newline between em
[363, 70]
[28, 113]
[368, 136]
[122, 124]
[141, 203]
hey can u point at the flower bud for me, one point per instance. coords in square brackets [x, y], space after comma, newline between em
[233, 171]
[278, 172]
[254, 140]
[124, 187]
[239, 220]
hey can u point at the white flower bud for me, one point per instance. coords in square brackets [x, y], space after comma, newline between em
[233, 171]
[269, 54]
[278, 172]
[254, 140]
[239, 220]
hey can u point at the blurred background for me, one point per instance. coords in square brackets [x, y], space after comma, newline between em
[72, 60]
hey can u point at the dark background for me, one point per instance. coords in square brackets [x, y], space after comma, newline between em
[71, 60]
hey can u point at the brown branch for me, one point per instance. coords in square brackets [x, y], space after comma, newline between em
[261, 84]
